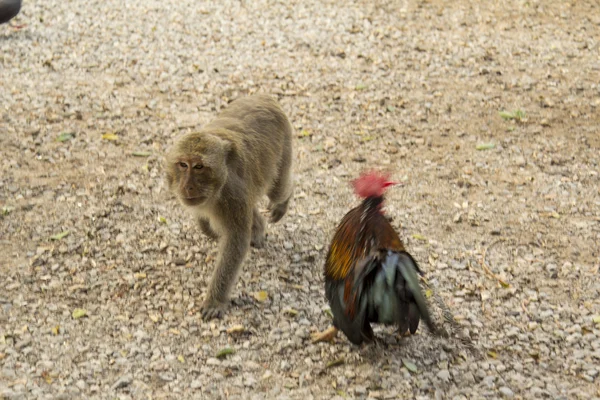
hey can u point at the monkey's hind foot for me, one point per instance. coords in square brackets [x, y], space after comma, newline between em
[212, 309]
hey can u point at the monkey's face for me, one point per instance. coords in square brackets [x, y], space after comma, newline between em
[196, 169]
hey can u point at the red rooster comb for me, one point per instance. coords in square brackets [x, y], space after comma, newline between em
[372, 184]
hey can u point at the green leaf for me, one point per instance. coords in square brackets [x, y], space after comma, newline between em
[419, 237]
[517, 115]
[162, 220]
[361, 86]
[79, 313]
[63, 137]
[60, 236]
[141, 153]
[409, 365]
[225, 352]
[485, 146]
[596, 319]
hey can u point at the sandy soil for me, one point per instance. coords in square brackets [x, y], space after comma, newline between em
[416, 87]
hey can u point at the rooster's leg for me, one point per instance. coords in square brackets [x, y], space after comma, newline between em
[325, 336]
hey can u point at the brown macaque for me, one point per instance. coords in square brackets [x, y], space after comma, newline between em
[220, 172]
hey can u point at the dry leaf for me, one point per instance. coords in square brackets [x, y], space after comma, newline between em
[79, 313]
[334, 363]
[236, 329]
[261, 296]
[419, 237]
[110, 136]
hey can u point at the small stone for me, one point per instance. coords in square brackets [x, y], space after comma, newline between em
[457, 217]
[196, 384]
[123, 381]
[444, 375]
[506, 392]
[361, 390]
[23, 343]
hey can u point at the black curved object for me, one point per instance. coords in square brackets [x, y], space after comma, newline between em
[9, 9]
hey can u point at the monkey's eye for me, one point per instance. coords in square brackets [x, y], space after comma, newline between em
[182, 165]
[198, 166]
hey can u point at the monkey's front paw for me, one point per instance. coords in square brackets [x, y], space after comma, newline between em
[211, 309]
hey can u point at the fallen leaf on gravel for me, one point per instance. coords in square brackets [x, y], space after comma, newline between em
[419, 237]
[304, 133]
[110, 136]
[56, 330]
[485, 146]
[492, 354]
[261, 296]
[409, 365]
[141, 154]
[162, 220]
[63, 137]
[139, 275]
[181, 359]
[225, 352]
[174, 331]
[291, 311]
[428, 293]
[59, 236]
[236, 329]
[361, 86]
[334, 363]
[517, 115]
[154, 317]
[596, 319]
[47, 377]
[79, 313]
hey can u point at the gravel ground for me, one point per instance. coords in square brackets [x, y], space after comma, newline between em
[412, 86]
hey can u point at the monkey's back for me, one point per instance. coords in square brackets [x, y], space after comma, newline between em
[264, 139]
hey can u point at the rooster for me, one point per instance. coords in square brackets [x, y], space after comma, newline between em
[369, 276]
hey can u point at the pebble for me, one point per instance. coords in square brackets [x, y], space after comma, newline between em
[506, 392]
[444, 375]
[122, 382]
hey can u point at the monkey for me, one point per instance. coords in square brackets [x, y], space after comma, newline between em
[221, 171]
